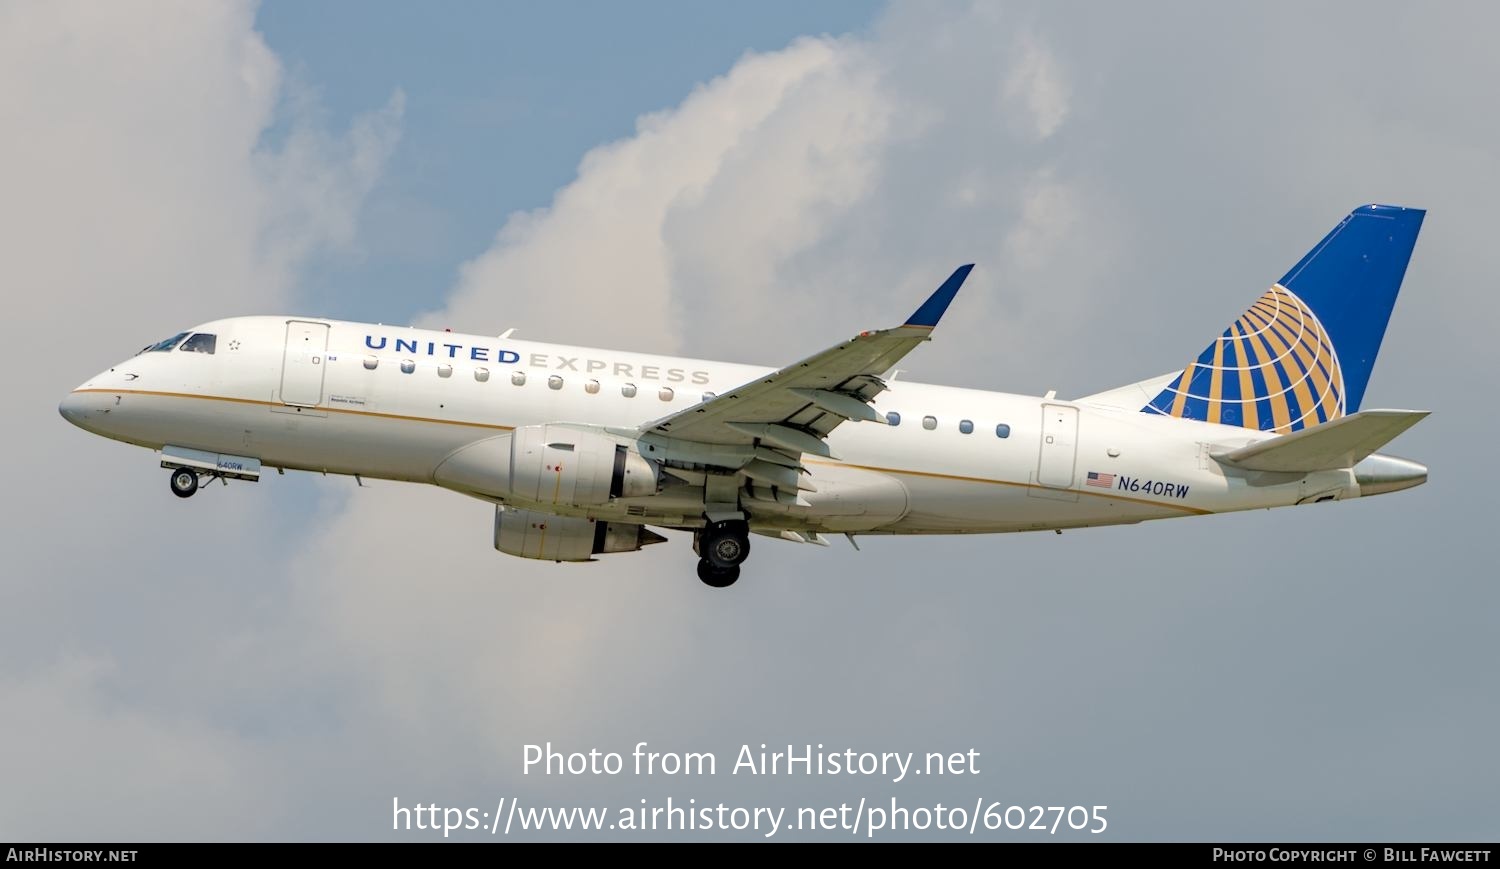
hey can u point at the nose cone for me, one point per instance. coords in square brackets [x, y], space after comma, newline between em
[1377, 475]
[87, 409]
[73, 408]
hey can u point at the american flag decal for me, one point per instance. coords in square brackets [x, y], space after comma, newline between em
[1100, 481]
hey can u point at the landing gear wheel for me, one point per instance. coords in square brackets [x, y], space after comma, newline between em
[184, 482]
[717, 577]
[726, 545]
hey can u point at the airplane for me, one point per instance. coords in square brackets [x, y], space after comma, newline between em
[583, 451]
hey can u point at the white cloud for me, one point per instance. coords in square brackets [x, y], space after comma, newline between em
[804, 195]
[313, 186]
[597, 263]
[97, 768]
[1037, 84]
[387, 649]
[778, 208]
[1049, 217]
[139, 198]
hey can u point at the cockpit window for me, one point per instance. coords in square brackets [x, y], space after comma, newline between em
[164, 345]
[200, 343]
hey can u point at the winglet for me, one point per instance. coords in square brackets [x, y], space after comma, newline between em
[932, 310]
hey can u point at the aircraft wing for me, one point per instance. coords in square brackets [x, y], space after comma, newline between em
[795, 408]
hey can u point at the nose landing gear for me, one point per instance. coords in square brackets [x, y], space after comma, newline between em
[193, 469]
[184, 482]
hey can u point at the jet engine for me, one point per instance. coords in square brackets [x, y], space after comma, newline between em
[551, 465]
[533, 534]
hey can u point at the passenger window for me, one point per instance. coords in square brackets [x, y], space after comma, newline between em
[893, 418]
[1002, 431]
[554, 382]
[408, 366]
[591, 387]
[628, 390]
[371, 362]
[966, 426]
[929, 422]
[200, 343]
[445, 370]
[518, 378]
[666, 393]
[482, 374]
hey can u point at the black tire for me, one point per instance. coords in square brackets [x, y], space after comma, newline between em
[717, 577]
[184, 482]
[725, 546]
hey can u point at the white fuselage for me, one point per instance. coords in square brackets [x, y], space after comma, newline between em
[395, 402]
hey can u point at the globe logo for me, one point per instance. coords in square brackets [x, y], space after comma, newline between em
[1274, 369]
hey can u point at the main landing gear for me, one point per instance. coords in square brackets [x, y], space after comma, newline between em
[722, 547]
[717, 577]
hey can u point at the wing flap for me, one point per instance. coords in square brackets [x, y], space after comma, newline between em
[812, 537]
[784, 436]
[1341, 443]
[841, 404]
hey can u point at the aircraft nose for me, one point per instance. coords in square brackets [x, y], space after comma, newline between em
[84, 409]
[72, 408]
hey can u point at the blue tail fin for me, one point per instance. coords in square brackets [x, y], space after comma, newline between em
[1302, 354]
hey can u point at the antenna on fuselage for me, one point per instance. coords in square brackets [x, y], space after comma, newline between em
[507, 333]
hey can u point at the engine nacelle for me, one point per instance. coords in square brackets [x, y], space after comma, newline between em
[551, 464]
[554, 464]
[533, 534]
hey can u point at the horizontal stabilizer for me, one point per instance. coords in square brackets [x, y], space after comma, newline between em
[1342, 443]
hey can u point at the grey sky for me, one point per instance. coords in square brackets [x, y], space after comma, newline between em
[280, 660]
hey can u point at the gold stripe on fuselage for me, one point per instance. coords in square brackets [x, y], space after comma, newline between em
[1198, 511]
[320, 408]
[900, 471]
